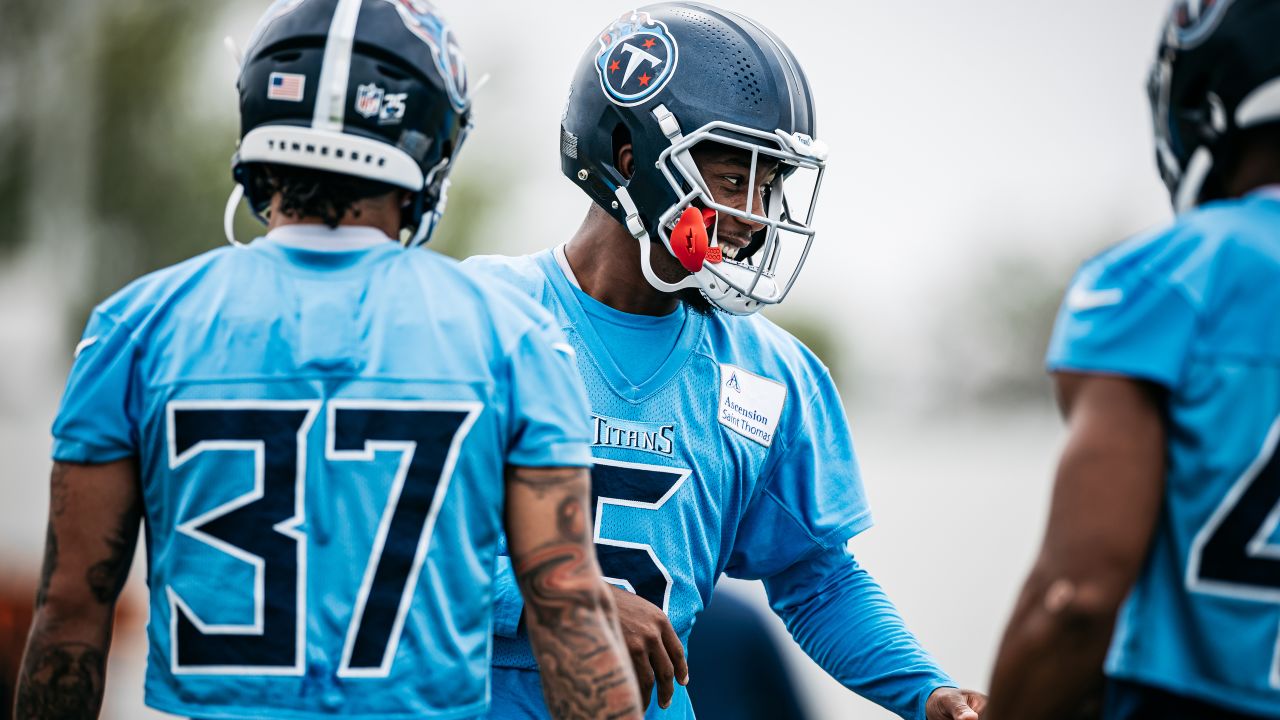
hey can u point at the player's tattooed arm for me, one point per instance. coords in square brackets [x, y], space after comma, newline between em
[94, 511]
[569, 609]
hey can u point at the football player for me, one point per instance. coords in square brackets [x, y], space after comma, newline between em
[1162, 541]
[720, 443]
[315, 427]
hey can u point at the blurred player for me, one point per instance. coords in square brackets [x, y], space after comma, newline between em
[720, 442]
[1166, 359]
[315, 427]
[736, 668]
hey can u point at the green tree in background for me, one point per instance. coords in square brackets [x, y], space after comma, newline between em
[20, 32]
[159, 170]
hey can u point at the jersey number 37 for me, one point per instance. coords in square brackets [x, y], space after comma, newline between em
[262, 527]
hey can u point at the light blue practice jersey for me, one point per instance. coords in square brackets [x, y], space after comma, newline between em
[1196, 309]
[734, 456]
[321, 438]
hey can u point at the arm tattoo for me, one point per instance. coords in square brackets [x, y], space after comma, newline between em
[106, 577]
[63, 669]
[57, 506]
[582, 662]
[61, 680]
[50, 565]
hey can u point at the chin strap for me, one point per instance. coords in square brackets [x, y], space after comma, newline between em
[636, 227]
[1193, 177]
[671, 129]
[431, 218]
[229, 215]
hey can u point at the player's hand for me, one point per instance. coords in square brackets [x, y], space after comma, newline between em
[655, 648]
[952, 704]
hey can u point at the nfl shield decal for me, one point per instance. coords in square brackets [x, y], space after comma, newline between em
[637, 57]
[368, 100]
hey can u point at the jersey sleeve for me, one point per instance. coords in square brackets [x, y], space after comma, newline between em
[97, 420]
[840, 616]
[549, 411]
[811, 496]
[1123, 319]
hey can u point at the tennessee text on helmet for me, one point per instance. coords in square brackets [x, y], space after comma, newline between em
[375, 89]
[678, 75]
[1217, 72]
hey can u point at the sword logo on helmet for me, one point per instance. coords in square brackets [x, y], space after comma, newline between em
[637, 58]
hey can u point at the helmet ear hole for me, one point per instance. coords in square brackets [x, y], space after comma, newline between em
[623, 156]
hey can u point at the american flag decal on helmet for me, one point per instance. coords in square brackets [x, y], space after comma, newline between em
[286, 86]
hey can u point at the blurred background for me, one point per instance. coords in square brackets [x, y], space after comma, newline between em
[981, 150]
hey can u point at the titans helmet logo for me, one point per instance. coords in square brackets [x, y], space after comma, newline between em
[1194, 20]
[636, 59]
[422, 20]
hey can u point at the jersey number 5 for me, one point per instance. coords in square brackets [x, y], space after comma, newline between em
[1233, 554]
[261, 527]
[631, 565]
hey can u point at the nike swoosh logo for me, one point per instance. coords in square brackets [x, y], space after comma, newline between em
[84, 344]
[565, 348]
[1082, 299]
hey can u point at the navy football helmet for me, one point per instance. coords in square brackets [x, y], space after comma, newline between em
[666, 78]
[375, 89]
[1217, 72]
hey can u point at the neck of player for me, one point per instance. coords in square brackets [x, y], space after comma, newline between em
[1256, 162]
[381, 213]
[606, 263]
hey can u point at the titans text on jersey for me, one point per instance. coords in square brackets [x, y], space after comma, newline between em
[733, 457]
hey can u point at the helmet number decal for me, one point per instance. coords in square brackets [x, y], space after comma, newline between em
[637, 58]
[372, 100]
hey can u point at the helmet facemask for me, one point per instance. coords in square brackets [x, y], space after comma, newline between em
[738, 280]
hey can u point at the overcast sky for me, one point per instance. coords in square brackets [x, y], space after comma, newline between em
[959, 131]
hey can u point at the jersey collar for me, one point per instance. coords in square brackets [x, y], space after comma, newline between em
[1271, 192]
[563, 284]
[322, 238]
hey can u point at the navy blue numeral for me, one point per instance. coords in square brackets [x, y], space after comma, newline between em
[633, 564]
[428, 435]
[1226, 556]
[1233, 555]
[249, 528]
[260, 527]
